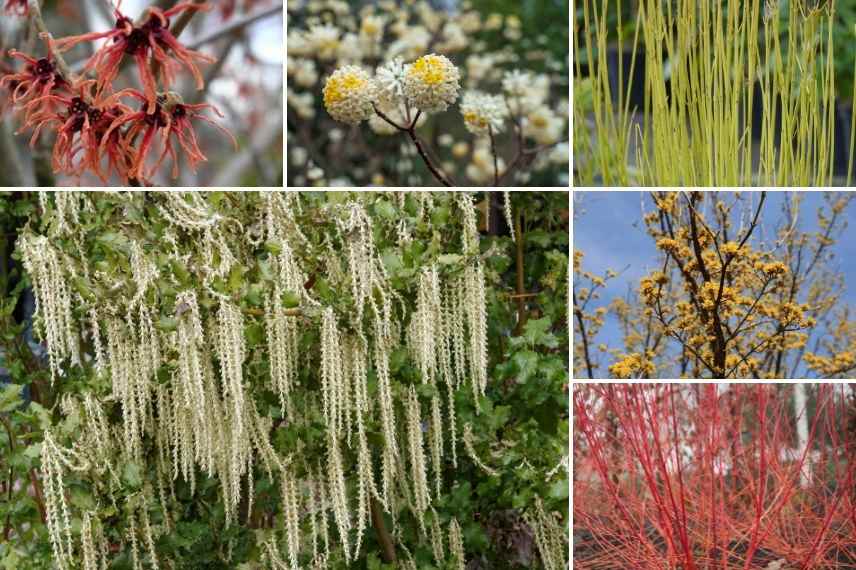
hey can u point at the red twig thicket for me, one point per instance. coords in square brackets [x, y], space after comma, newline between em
[714, 477]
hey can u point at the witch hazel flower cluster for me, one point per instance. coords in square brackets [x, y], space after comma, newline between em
[98, 128]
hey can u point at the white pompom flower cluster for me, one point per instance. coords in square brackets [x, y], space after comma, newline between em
[431, 83]
[483, 113]
[349, 93]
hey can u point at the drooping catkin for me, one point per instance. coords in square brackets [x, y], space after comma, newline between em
[190, 214]
[338, 492]
[231, 352]
[437, 539]
[356, 230]
[67, 210]
[468, 445]
[291, 515]
[453, 327]
[125, 376]
[53, 300]
[271, 555]
[418, 472]
[435, 436]
[147, 532]
[87, 542]
[332, 373]
[97, 344]
[387, 414]
[132, 536]
[506, 209]
[57, 515]
[283, 329]
[476, 314]
[470, 230]
[550, 537]
[313, 507]
[365, 475]
[324, 506]
[456, 545]
[426, 323]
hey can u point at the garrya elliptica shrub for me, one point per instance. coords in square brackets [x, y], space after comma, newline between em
[307, 365]
[374, 80]
[734, 93]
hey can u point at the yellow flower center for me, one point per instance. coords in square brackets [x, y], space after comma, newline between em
[475, 119]
[337, 88]
[429, 69]
[539, 121]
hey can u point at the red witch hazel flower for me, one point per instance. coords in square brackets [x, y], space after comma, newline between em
[38, 78]
[139, 41]
[17, 7]
[83, 135]
[172, 117]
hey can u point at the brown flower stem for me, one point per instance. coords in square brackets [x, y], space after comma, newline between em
[383, 536]
[495, 159]
[235, 26]
[37, 491]
[183, 20]
[286, 312]
[420, 147]
[7, 527]
[383, 116]
[421, 150]
[39, 22]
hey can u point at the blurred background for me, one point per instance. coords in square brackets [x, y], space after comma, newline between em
[245, 84]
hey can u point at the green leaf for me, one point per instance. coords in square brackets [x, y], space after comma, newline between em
[450, 259]
[536, 333]
[167, 324]
[526, 362]
[440, 216]
[392, 261]
[236, 278]
[180, 272]
[254, 334]
[255, 295]
[385, 210]
[560, 489]
[290, 300]
[82, 287]
[10, 397]
[33, 451]
[273, 247]
[132, 475]
[114, 241]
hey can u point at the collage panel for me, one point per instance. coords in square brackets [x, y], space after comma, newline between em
[714, 285]
[141, 93]
[723, 476]
[428, 93]
[284, 380]
[721, 93]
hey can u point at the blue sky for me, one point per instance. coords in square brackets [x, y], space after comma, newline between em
[608, 228]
